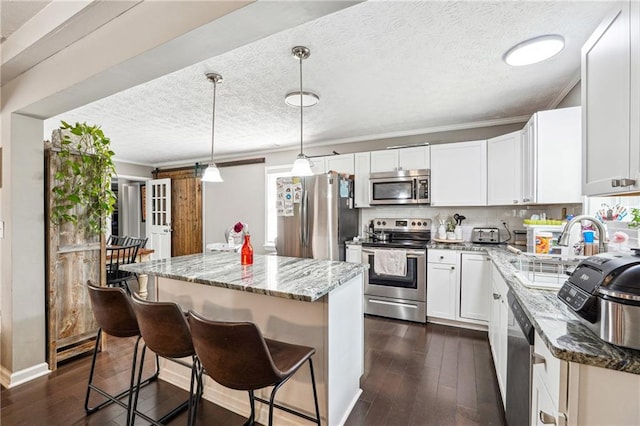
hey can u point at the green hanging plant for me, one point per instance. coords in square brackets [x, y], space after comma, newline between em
[83, 179]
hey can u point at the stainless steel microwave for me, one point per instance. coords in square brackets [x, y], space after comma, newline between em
[400, 187]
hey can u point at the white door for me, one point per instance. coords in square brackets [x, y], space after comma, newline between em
[159, 217]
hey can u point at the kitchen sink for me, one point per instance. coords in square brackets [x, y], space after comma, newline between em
[547, 272]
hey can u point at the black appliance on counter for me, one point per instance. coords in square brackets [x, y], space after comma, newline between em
[400, 297]
[604, 291]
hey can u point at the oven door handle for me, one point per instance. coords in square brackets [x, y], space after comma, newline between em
[410, 254]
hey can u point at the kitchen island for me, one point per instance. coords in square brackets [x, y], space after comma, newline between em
[310, 302]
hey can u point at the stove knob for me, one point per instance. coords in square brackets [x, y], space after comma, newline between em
[424, 224]
[413, 224]
[419, 223]
[384, 223]
[378, 223]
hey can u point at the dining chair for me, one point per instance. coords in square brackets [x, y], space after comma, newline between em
[141, 242]
[236, 355]
[117, 240]
[116, 257]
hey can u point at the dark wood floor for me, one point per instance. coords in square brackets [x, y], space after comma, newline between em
[429, 374]
[414, 375]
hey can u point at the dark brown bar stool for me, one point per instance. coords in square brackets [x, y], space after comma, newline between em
[236, 355]
[115, 317]
[165, 331]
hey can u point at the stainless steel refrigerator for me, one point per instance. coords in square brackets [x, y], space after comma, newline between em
[315, 216]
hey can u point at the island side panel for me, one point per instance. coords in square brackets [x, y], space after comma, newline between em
[346, 348]
[305, 323]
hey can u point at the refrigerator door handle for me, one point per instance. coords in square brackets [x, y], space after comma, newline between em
[304, 225]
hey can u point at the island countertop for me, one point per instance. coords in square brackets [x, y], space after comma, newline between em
[287, 277]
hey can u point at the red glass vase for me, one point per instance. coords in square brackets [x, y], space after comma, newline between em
[246, 252]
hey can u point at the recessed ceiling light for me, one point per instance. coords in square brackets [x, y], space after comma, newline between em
[308, 99]
[534, 50]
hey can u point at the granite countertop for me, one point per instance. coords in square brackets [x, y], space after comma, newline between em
[564, 334]
[288, 277]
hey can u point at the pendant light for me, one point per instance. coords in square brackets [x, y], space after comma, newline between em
[211, 173]
[302, 166]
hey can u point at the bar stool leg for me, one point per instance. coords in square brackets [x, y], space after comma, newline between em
[272, 400]
[250, 421]
[315, 392]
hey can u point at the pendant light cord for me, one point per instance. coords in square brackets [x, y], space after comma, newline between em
[213, 118]
[301, 106]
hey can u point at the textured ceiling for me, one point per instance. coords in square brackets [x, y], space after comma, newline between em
[379, 67]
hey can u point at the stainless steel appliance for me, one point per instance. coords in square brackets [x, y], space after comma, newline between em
[400, 187]
[398, 296]
[317, 218]
[519, 365]
[604, 291]
[486, 235]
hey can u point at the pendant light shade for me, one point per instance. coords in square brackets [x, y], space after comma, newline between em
[212, 174]
[302, 166]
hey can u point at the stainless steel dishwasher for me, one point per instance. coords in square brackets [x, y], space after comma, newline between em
[519, 365]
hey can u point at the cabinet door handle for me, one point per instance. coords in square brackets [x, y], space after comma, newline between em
[515, 201]
[546, 418]
[526, 200]
[538, 359]
[615, 183]
[627, 182]
[453, 267]
[441, 257]
[496, 296]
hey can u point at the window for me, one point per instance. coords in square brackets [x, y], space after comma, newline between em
[271, 225]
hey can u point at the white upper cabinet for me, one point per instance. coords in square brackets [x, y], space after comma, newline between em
[318, 165]
[504, 172]
[414, 158]
[611, 104]
[390, 160]
[384, 161]
[361, 185]
[551, 157]
[459, 174]
[343, 163]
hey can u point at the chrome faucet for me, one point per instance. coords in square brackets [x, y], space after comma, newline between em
[563, 239]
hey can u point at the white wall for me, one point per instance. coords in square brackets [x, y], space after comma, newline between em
[240, 198]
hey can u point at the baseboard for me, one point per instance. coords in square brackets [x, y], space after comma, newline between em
[351, 405]
[459, 324]
[10, 380]
[232, 400]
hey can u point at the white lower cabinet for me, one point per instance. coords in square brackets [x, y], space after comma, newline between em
[475, 286]
[498, 326]
[353, 253]
[442, 283]
[458, 286]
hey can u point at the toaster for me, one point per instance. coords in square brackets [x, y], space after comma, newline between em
[485, 235]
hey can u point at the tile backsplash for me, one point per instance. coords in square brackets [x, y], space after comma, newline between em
[476, 216]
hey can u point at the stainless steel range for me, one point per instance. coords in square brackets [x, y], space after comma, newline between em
[396, 282]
